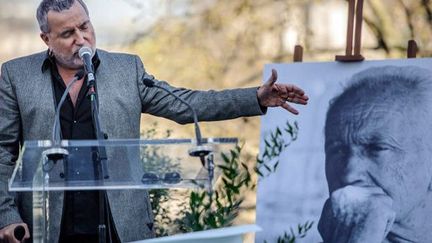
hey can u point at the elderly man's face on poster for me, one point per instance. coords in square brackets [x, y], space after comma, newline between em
[362, 165]
[378, 142]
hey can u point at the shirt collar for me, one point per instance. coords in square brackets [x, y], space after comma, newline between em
[50, 61]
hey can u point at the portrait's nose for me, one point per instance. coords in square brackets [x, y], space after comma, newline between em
[355, 171]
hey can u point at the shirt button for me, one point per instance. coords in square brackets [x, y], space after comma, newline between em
[75, 121]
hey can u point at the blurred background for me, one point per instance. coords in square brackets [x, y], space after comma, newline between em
[218, 44]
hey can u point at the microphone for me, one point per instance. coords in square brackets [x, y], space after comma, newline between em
[86, 54]
[200, 150]
[57, 153]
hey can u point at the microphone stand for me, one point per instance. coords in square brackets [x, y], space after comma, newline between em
[99, 157]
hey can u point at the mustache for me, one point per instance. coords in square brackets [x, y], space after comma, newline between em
[76, 53]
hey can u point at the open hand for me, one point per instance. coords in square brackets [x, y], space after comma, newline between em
[273, 95]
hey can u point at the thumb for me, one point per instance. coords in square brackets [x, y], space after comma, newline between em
[272, 78]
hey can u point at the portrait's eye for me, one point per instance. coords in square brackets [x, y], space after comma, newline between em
[337, 149]
[374, 149]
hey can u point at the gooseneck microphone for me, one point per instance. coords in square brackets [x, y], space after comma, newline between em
[56, 153]
[200, 150]
[56, 128]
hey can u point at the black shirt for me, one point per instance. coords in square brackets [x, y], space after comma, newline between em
[81, 208]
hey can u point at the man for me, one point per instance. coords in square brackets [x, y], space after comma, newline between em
[31, 86]
[378, 145]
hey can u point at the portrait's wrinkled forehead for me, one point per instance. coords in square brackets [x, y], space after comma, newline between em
[385, 89]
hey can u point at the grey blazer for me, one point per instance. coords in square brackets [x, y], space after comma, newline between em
[27, 112]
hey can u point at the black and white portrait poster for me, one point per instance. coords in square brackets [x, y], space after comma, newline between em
[361, 165]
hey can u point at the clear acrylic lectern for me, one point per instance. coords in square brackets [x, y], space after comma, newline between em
[130, 164]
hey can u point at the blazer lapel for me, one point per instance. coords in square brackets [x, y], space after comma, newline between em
[39, 107]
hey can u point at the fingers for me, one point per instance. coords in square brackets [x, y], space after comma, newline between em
[8, 237]
[272, 78]
[290, 89]
[289, 108]
[292, 93]
[295, 89]
[27, 232]
[297, 100]
[272, 94]
[7, 234]
[358, 214]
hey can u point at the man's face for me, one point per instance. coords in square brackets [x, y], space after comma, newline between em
[372, 143]
[69, 31]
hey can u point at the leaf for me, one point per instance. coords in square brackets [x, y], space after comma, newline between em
[234, 155]
[258, 172]
[245, 166]
[275, 166]
[225, 157]
[223, 167]
[267, 144]
[278, 131]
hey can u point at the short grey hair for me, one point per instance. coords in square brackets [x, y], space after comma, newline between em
[53, 5]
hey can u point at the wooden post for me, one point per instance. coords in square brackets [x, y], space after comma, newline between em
[355, 18]
[412, 49]
[358, 28]
[298, 53]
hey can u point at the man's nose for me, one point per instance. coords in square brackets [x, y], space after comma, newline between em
[355, 171]
[79, 38]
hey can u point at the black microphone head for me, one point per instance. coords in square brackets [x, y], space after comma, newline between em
[148, 82]
[85, 50]
[80, 74]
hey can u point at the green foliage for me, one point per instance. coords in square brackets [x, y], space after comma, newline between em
[203, 210]
[158, 198]
[219, 209]
[292, 236]
[274, 145]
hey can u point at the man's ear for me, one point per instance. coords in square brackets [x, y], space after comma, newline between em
[45, 38]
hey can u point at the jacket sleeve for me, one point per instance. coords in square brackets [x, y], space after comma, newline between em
[9, 147]
[209, 105]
